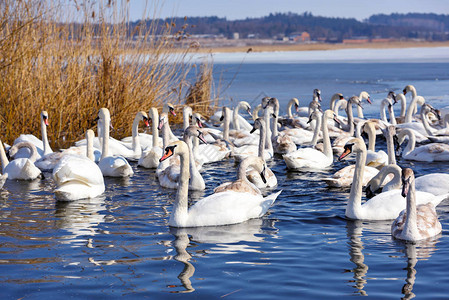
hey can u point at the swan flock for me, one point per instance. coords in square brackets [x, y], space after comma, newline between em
[311, 139]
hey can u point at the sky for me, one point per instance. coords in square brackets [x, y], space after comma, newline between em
[241, 9]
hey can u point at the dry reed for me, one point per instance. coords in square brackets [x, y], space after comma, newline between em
[72, 69]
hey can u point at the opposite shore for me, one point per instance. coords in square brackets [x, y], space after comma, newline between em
[255, 47]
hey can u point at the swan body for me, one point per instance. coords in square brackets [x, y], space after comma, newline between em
[78, 177]
[344, 177]
[113, 166]
[416, 222]
[282, 143]
[374, 159]
[427, 153]
[42, 146]
[217, 209]
[20, 168]
[312, 158]
[384, 206]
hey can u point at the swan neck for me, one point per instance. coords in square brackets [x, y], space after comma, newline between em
[326, 139]
[403, 106]
[350, 118]
[371, 137]
[105, 139]
[360, 112]
[3, 158]
[425, 122]
[135, 135]
[90, 147]
[289, 109]
[180, 208]
[354, 206]
[268, 133]
[235, 118]
[390, 149]
[262, 138]
[47, 148]
[165, 135]
[194, 173]
[187, 113]
[410, 226]
[155, 118]
[316, 131]
[411, 108]
[411, 142]
[226, 125]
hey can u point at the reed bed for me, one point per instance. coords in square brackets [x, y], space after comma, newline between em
[71, 66]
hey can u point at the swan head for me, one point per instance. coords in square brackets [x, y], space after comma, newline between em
[317, 94]
[104, 114]
[144, 117]
[365, 95]
[198, 119]
[407, 178]
[256, 110]
[355, 100]
[353, 145]
[177, 147]
[329, 114]
[257, 163]
[193, 130]
[169, 108]
[295, 102]
[187, 111]
[409, 88]
[316, 114]
[265, 102]
[12, 151]
[427, 108]
[44, 116]
[274, 102]
[258, 123]
[391, 97]
[163, 119]
[246, 106]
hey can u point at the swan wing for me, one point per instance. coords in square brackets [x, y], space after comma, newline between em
[228, 208]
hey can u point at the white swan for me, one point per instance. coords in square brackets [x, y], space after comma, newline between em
[20, 168]
[388, 103]
[42, 146]
[238, 122]
[217, 209]
[335, 97]
[416, 222]
[413, 107]
[312, 158]
[114, 166]
[434, 183]
[362, 96]
[384, 206]
[169, 176]
[78, 177]
[151, 155]
[428, 153]
[305, 111]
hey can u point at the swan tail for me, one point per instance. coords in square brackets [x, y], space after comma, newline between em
[438, 199]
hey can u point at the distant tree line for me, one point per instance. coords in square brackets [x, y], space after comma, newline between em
[278, 25]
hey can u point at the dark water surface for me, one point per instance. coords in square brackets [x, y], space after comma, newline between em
[120, 244]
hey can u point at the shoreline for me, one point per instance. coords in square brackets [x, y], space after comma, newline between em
[318, 47]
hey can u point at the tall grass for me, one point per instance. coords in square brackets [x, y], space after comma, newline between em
[72, 69]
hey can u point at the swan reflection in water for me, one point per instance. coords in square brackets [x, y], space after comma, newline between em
[227, 238]
[421, 250]
[79, 218]
[413, 251]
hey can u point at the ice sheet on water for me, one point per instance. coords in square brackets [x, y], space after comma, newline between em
[432, 54]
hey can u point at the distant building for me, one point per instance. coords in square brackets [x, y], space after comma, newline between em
[300, 37]
[235, 36]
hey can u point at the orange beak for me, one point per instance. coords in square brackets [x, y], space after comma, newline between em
[167, 154]
[344, 154]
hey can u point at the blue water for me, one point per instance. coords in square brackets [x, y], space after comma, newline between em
[120, 244]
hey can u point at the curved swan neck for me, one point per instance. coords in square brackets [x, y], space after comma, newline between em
[235, 117]
[90, 144]
[3, 158]
[354, 206]
[275, 118]
[425, 121]
[390, 146]
[186, 115]
[338, 104]
[411, 140]
[194, 173]
[179, 214]
[371, 131]
[252, 161]
[154, 115]
[417, 100]
[47, 148]
[377, 180]
[289, 108]
[403, 104]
